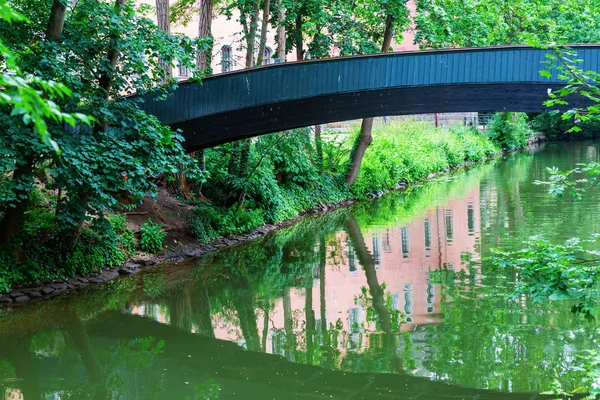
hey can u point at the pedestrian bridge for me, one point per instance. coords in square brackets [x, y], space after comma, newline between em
[274, 98]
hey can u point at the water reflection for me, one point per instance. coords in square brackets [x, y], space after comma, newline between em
[385, 300]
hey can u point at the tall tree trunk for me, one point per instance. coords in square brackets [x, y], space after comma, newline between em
[204, 58]
[14, 212]
[310, 320]
[202, 312]
[263, 32]
[56, 21]
[251, 36]
[163, 16]
[265, 332]
[78, 333]
[365, 138]
[322, 285]
[163, 20]
[299, 42]
[243, 302]
[281, 51]
[244, 170]
[112, 56]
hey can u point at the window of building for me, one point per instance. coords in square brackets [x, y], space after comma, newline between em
[352, 265]
[427, 229]
[471, 219]
[183, 71]
[268, 56]
[430, 297]
[405, 239]
[377, 249]
[226, 59]
[449, 225]
[387, 246]
[408, 302]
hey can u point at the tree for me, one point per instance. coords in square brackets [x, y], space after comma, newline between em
[182, 12]
[21, 175]
[490, 23]
[263, 31]
[395, 17]
[102, 166]
[281, 49]
[164, 22]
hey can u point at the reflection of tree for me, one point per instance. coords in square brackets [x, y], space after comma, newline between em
[226, 365]
[377, 292]
[243, 302]
[202, 311]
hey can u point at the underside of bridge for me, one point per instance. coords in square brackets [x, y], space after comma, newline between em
[233, 125]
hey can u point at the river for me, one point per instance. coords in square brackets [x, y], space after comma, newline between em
[389, 299]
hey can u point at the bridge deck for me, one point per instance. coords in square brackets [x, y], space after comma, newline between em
[272, 98]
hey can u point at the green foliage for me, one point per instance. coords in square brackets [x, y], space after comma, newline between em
[509, 130]
[27, 94]
[204, 222]
[209, 222]
[460, 23]
[155, 283]
[574, 182]
[567, 67]
[554, 127]
[555, 272]
[113, 156]
[124, 236]
[152, 237]
[409, 151]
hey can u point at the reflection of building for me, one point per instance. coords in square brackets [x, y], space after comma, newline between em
[13, 394]
[405, 256]
[338, 295]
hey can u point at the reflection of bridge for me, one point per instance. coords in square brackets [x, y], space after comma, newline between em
[196, 359]
[255, 372]
[274, 98]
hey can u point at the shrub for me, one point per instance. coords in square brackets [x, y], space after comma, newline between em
[509, 130]
[125, 237]
[553, 126]
[237, 220]
[409, 151]
[209, 222]
[204, 222]
[152, 237]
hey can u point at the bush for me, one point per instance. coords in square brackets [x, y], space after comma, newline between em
[152, 237]
[509, 130]
[555, 128]
[209, 222]
[409, 151]
[125, 237]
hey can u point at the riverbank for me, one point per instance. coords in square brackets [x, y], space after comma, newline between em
[254, 188]
[182, 252]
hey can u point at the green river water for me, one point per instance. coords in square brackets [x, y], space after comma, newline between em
[388, 299]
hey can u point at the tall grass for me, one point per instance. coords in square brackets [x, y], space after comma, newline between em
[409, 151]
